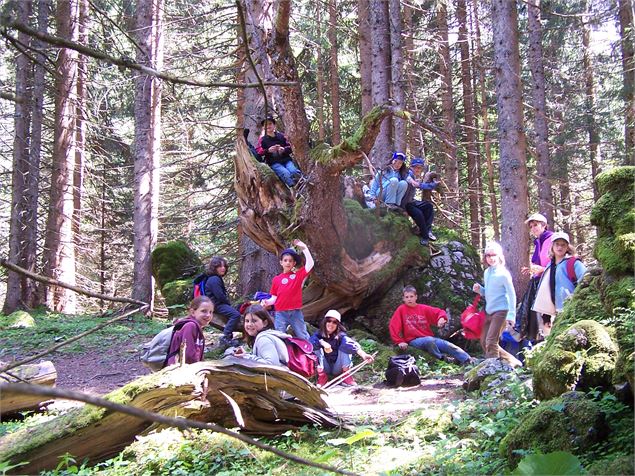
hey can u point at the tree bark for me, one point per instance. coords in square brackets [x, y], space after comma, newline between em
[380, 47]
[319, 80]
[365, 55]
[147, 148]
[539, 103]
[627, 37]
[59, 249]
[397, 73]
[42, 373]
[451, 172]
[415, 137]
[470, 125]
[17, 294]
[81, 123]
[334, 73]
[513, 146]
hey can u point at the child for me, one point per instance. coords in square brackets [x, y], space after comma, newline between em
[215, 290]
[335, 349]
[276, 150]
[421, 211]
[200, 314]
[555, 284]
[410, 325]
[392, 181]
[267, 343]
[286, 290]
[500, 302]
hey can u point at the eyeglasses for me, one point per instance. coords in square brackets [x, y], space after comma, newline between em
[489, 255]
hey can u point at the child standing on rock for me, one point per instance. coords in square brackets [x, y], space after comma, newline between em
[286, 290]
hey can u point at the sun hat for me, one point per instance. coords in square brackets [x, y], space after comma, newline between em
[560, 235]
[334, 314]
[536, 217]
[417, 161]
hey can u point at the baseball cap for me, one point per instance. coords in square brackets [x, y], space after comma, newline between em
[536, 217]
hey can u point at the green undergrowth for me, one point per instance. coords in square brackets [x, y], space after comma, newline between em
[52, 328]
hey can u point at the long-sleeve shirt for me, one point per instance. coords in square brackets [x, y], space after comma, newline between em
[192, 334]
[383, 177]
[269, 348]
[542, 245]
[408, 323]
[215, 290]
[337, 342]
[499, 291]
[564, 286]
[267, 141]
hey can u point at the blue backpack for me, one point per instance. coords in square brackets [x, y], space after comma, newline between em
[199, 285]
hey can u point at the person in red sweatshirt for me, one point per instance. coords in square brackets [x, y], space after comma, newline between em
[411, 325]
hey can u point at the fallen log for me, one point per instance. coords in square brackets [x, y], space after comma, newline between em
[43, 373]
[233, 393]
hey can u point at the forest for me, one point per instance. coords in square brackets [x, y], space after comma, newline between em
[125, 165]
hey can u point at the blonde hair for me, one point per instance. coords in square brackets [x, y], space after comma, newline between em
[496, 248]
[570, 250]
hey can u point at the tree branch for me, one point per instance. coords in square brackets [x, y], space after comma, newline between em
[128, 62]
[181, 423]
[53, 282]
[50, 350]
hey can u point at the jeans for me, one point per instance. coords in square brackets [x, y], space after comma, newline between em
[437, 347]
[287, 172]
[293, 318]
[233, 318]
[422, 212]
[343, 361]
[394, 191]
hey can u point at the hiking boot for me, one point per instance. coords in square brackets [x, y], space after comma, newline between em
[322, 378]
[348, 381]
[424, 242]
[431, 236]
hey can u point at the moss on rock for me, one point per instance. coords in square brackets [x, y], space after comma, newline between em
[177, 292]
[569, 423]
[18, 319]
[557, 372]
[622, 465]
[174, 260]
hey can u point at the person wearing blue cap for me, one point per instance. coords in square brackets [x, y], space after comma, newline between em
[286, 290]
[421, 211]
[389, 185]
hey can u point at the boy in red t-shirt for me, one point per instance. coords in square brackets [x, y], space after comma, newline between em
[286, 290]
[410, 325]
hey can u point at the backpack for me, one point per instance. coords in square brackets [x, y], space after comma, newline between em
[199, 285]
[571, 270]
[402, 371]
[302, 360]
[155, 353]
[472, 320]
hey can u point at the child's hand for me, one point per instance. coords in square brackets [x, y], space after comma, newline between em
[441, 322]
[239, 352]
[300, 244]
[476, 288]
[402, 345]
[367, 357]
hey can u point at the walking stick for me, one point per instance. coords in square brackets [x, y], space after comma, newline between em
[349, 372]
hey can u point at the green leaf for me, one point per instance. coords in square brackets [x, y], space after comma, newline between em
[556, 463]
[328, 454]
[360, 435]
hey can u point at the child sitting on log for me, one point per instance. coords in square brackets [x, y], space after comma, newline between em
[335, 349]
[276, 150]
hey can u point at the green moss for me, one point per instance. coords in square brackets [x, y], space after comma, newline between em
[570, 423]
[177, 292]
[619, 293]
[17, 319]
[617, 179]
[615, 259]
[174, 260]
[557, 372]
[622, 465]
[587, 335]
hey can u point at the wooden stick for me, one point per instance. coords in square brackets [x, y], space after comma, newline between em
[343, 375]
[53, 282]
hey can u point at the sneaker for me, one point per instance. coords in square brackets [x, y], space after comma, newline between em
[431, 236]
[424, 242]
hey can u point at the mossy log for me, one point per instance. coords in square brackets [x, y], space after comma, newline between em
[43, 373]
[234, 393]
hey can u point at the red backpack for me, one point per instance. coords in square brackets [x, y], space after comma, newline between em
[302, 360]
[472, 320]
[571, 270]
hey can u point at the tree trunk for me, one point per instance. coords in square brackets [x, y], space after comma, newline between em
[539, 103]
[17, 291]
[380, 47]
[397, 73]
[96, 434]
[319, 80]
[415, 138]
[589, 86]
[365, 55]
[513, 146]
[447, 106]
[627, 37]
[42, 373]
[147, 146]
[81, 123]
[334, 73]
[470, 124]
[59, 249]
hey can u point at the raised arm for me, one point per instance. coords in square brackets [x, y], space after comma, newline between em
[308, 259]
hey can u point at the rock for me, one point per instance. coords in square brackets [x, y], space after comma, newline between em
[569, 423]
[177, 293]
[17, 320]
[617, 465]
[174, 260]
[478, 377]
[582, 357]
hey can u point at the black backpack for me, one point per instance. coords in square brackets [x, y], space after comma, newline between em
[402, 371]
